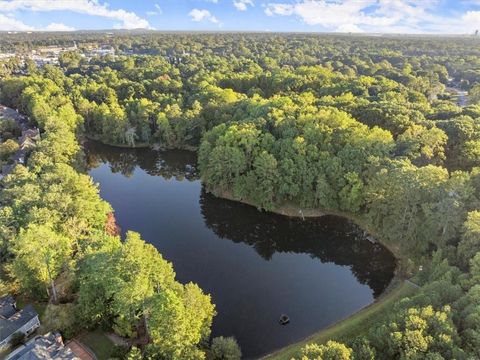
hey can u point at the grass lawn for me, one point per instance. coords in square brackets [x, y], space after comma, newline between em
[353, 326]
[99, 343]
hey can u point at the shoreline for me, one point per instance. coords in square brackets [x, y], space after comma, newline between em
[292, 210]
[339, 330]
[152, 146]
[123, 146]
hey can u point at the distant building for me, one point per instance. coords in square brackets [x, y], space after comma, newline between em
[27, 144]
[56, 50]
[7, 55]
[103, 51]
[13, 321]
[29, 139]
[6, 169]
[31, 133]
[48, 346]
[41, 61]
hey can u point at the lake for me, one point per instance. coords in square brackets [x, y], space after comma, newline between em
[255, 265]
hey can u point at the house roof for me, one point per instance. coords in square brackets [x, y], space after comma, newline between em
[13, 323]
[7, 307]
[49, 346]
[31, 132]
[26, 142]
[19, 156]
[7, 169]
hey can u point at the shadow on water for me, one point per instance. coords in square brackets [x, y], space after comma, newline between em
[317, 271]
[328, 239]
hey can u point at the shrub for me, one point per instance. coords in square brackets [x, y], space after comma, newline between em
[225, 348]
[17, 339]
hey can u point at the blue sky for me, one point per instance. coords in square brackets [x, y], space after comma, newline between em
[379, 16]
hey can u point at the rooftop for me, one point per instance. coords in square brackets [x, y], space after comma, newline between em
[11, 318]
[49, 346]
[7, 307]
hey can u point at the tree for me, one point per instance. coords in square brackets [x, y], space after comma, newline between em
[332, 350]
[422, 145]
[225, 348]
[9, 129]
[469, 245]
[41, 255]
[96, 280]
[399, 198]
[61, 317]
[362, 349]
[17, 339]
[260, 184]
[10, 91]
[474, 94]
[140, 273]
[469, 315]
[351, 195]
[130, 285]
[8, 148]
[134, 354]
[178, 322]
[416, 332]
[3, 289]
[69, 59]
[117, 283]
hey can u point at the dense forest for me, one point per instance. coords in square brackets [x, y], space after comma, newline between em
[372, 128]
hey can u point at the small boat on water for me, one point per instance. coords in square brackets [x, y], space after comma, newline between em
[284, 319]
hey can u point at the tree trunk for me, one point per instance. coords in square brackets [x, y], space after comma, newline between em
[54, 292]
[52, 282]
[145, 323]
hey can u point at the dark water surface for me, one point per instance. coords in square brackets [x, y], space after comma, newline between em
[255, 265]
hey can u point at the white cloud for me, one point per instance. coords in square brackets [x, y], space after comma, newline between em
[158, 11]
[471, 18]
[58, 27]
[328, 13]
[242, 5]
[468, 23]
[127, 19]
[349, 28]
[8, 23]
[202, 15]
[387, 16]
[279, 9]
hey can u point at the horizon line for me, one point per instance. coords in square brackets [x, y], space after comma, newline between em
[139, 30]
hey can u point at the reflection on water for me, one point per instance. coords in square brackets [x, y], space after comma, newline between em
[341, 243]
[256, 265]
[170, 164]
